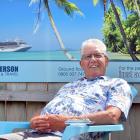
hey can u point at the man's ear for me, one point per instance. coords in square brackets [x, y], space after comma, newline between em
[80, 63]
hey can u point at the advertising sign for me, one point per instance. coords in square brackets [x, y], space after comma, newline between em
[61, 71]
[38, 47]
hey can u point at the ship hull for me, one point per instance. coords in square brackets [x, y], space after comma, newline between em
[16, 50]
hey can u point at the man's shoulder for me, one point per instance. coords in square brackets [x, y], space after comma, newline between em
[118, 80]
[113, 78]
[114, 81]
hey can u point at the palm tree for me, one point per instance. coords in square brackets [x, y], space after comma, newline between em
[69, 8]
[133, 5]
[123, 34]
[137, 7]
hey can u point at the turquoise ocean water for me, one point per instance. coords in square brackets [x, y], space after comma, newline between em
[55, 55]
[46, 55]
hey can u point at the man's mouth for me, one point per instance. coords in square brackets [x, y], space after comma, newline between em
[94, 66]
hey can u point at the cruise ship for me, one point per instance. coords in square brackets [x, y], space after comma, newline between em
[14, 46]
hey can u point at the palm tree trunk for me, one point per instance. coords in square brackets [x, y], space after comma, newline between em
[69, 56]
[126, 44]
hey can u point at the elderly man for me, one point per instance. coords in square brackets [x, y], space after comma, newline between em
[95, 97]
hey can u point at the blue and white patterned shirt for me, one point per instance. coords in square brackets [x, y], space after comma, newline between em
[86, 96]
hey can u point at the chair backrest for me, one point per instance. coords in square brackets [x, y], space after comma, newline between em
[134, 92]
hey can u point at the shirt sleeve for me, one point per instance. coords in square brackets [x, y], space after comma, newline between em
[119, 95]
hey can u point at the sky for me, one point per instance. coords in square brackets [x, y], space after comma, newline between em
[18, 22]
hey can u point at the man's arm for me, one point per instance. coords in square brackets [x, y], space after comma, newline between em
[110, 116]
[55, 122]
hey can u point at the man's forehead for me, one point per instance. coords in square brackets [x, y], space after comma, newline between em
[94, 49]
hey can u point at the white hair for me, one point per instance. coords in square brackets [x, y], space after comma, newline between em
[95, 42]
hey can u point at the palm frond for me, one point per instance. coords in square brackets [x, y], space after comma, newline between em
[68, 7]
[95, 2]
[60, 3]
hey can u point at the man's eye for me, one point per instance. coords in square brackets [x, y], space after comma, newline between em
[88, 56]
[98, 55]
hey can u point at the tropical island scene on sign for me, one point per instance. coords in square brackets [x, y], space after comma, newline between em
[54, 29]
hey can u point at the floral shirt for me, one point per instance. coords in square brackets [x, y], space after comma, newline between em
[86, 96]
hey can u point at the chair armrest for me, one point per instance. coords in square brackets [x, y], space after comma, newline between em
[74, 129]
[9, 126]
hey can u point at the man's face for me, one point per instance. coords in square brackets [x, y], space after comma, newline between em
[93, 61]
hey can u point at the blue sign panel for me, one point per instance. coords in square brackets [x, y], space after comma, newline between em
[61, 71]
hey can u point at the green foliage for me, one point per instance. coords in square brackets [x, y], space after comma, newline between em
[138, 45]
[132, 28]
[130, 5]
[112, 34]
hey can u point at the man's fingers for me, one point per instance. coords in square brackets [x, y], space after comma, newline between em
[39, 122]
[42, 124]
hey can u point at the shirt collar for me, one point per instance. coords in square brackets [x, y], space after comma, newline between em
[92, 79]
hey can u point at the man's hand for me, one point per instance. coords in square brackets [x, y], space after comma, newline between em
[49, 122]
[40, 123]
